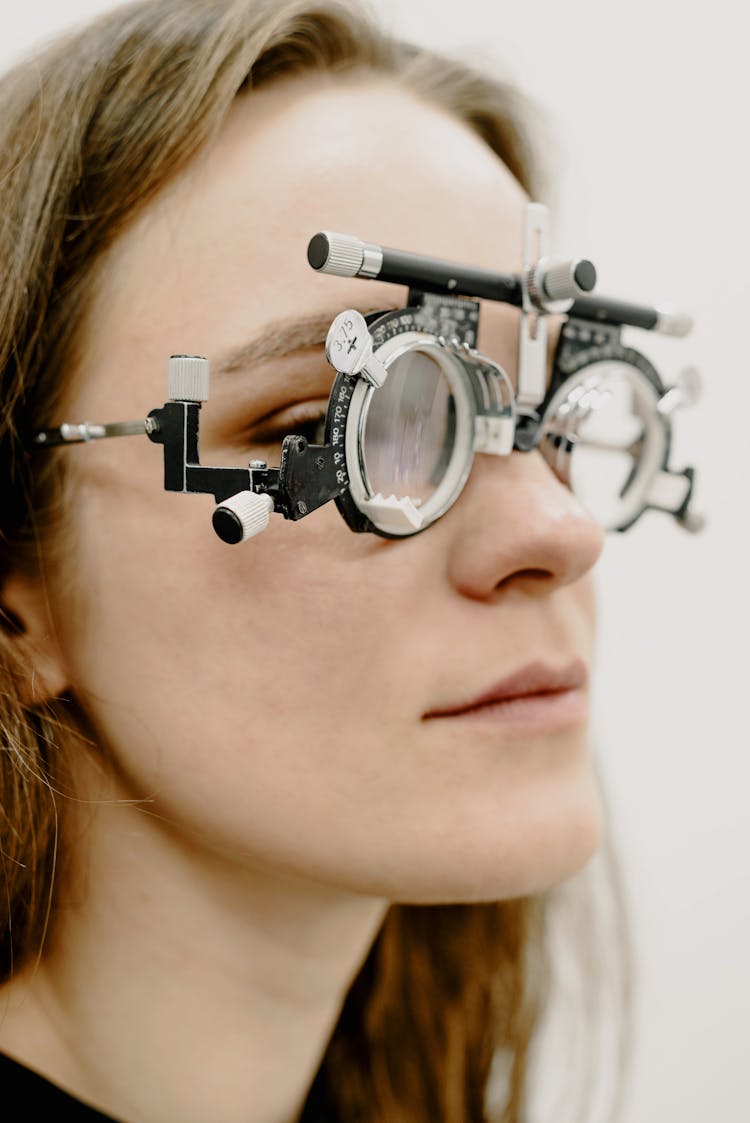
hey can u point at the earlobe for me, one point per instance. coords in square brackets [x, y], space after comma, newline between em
[27, 623]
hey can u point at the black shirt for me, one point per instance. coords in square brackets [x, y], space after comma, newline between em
[35, 1098]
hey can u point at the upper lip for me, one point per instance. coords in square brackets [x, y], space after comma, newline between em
[537, 677]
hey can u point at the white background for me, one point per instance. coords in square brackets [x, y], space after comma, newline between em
[646, 143]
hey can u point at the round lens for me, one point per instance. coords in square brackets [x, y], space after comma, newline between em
[604, 437]
[409, 429]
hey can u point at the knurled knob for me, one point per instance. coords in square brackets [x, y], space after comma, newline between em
[242, 516]
[564, 280]
[340, 254]
[188, 378]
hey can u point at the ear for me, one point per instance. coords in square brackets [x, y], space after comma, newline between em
[27, 622]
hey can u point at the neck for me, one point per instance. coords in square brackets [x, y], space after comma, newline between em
[176, 960]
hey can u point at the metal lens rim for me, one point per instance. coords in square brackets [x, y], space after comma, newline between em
[655, 445]
[462, 454]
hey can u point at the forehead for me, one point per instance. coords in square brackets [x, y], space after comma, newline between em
[222, 250]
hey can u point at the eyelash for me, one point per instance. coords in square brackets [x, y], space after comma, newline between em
[306, 421]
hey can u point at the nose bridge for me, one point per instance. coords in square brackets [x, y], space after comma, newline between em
[516, 519]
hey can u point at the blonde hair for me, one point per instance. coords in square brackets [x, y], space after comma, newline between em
[90, 130]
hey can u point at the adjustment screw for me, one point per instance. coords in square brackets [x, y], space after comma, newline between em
[258, 465]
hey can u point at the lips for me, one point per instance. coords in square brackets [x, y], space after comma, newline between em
[535, 680]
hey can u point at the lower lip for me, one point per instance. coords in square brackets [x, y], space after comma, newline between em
[532, 713]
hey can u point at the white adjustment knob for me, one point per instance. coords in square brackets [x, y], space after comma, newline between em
[685, 392]
[242, 516]
[188, 378]
[693, 521]
[671, 321]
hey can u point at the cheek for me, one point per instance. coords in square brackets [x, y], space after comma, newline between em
[249, 693]
[584, 599]
[267, 698]
[178, 636]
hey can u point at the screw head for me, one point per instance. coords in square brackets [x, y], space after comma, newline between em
[259, 465]
[302, 507]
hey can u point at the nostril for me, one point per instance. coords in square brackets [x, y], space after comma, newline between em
[533, 574]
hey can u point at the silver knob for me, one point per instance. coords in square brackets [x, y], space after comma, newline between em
[344, 255]
[340, 254]
[188, 378]
[564, 279]
[242, 516]
[554, 284]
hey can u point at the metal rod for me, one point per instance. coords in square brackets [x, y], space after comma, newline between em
[550, 281]
[69, 433]
[344, 255]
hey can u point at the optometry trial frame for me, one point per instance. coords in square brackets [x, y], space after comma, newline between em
[413, 401]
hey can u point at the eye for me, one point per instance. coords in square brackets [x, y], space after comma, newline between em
[306, 420]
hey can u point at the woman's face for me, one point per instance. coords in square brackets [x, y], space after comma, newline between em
[270, 700]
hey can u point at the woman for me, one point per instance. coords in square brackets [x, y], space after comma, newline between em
[233, 777]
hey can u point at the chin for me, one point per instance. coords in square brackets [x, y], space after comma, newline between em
[510, 858]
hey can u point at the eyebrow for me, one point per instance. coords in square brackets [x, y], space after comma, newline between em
[281, 338]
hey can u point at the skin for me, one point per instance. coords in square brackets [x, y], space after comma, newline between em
[263, 781]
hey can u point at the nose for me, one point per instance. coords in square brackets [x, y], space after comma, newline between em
[517, 524]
